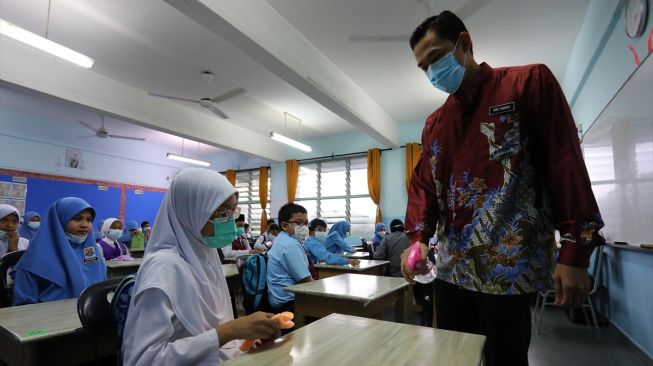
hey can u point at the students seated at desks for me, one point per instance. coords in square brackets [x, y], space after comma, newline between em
[335, 241]
[264, 242]
[10, 241]
[29, 226]
[180, 312]
[315, 249]
[392, 246]
[248, 233]
[62, 260]
[377, 238]
[110, 244]
[240, 245]
[287, 260]
[147, 230]
[138, 237]
[131, 232]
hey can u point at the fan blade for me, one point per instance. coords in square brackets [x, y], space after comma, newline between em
[127, 137]
[391, 38]
[174, 98]
[470, 7]
[88, 126]
[227, 95]
[85, 137]
[220, 113]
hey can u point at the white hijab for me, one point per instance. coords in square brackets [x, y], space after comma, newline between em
[4, 211]
[176, 259]
[106, 226]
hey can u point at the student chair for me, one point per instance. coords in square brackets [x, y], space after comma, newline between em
[545, 298]
[94, 310]
[6, 290]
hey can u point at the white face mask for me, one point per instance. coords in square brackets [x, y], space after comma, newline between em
[114, 234]
[320, 235]
[140, 229]
[34, 225]
[381, 233]
[301, 232]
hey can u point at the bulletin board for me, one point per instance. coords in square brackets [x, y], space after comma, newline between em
[142, 205]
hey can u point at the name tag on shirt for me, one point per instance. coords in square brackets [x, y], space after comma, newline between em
[502, 108]
[89, 255]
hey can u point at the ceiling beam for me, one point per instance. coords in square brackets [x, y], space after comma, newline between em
[262, 33]
[29, 68]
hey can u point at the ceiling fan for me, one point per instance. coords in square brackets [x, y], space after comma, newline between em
[209, 103]
[467, 10]
[103, 133]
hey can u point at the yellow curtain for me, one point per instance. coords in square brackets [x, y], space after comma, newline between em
[231, 177]
[374, 179]
[413, 151]
[263, 195]
[292, 174]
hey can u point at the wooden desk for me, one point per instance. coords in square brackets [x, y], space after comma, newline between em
[369, 267]
[46, 334]
[348, 340]
[122, 268]
[137, 253]
[352, 294]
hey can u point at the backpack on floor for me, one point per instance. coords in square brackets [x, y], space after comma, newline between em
[255, 287]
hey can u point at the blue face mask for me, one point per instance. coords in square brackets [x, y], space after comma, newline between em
[74, 239]
[224, 233]
[34, 225]
[447, 74]
[114, 234]
[320, 235]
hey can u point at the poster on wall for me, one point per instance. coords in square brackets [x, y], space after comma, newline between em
[5, 201]
[5, 190]
[19, 191]
[73, 158]
[20, 206]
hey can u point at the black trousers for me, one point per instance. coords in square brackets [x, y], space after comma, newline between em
[504, 320]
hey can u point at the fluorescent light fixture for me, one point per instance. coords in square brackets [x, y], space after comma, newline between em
[187, 160]
[290, 142]
[31, 39]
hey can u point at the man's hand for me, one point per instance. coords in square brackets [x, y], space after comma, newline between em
[420, 268]
[571, 284]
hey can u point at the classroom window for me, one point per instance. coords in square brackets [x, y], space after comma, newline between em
[336, 190]
[247, 185]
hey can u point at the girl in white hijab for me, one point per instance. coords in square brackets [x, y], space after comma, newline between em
[180, 312]
[9, 239]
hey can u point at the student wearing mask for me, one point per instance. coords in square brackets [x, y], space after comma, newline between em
[240, 244]
[377, 238]
[335, 241]
[315, 249]
[264, 242]
[131, 228]
[147, 230]
[287, 260]
[111, 245]
[63, 259]
[500, 171]
[10, 241]
[392, 246]
[138, 237]
[29, 226]
[97, 231]
[180, 311]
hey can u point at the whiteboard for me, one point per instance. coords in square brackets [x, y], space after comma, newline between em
[618, 150]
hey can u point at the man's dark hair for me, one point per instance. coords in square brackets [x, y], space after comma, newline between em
[246, 226]
[272, 227]
[289, 209]
[396, 225]
[241, 218]
[316, 223]
[144, 223]
[446, 25]
[270, 222]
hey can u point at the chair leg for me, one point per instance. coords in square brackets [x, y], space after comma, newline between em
[539, 324]
[537, 305]
[591, 306]
[587, 319]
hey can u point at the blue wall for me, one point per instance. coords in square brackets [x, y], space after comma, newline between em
[142, 207]
[599, 65]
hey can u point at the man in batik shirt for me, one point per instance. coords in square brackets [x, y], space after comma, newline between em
[501, 169]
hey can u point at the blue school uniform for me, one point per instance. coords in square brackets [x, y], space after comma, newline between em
[287, 265]
[318, 253]
[335, 241]
[52, 267]
[24, 231]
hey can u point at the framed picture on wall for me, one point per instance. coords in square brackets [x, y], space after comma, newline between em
[5, 189]
[20, 205]
[5, 201]
[19, 191]
[73, 158]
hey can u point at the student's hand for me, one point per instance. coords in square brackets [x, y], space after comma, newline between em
[420, 268]
[256, 251]
[354, 262]
[571, 285]
[12, 241]
[255, 326]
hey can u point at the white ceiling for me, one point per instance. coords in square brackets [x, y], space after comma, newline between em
[151, 46]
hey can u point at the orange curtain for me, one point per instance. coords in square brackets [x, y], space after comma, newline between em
[263, 195]
[374, 179]
[413, 151]
[231, 177]
[292, 174]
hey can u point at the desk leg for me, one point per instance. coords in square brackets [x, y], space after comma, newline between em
[300, 313]
[400, 307]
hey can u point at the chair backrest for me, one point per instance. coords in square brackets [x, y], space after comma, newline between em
[7, 261]
[120, 308]
[598, 263]
[94, 306]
